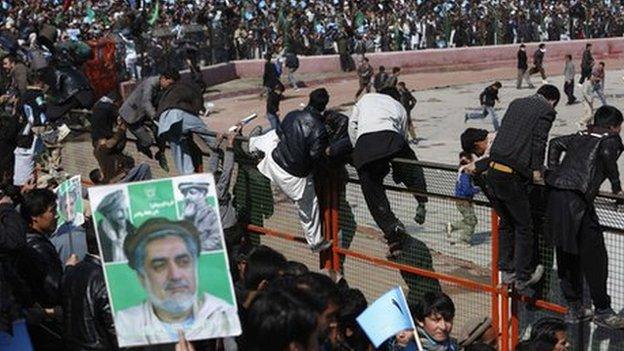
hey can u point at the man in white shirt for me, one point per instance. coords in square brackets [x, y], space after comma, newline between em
[165, 256]
[378, 133]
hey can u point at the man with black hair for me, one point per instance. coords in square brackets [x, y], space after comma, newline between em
[523, 68]
[587, 64]
[324, 297]
[552, 331]
[290, 166]
[379, 81]
[350, 334]
[365, 73]
[263, 265]
[487, 99]
[12, 242]
[434, 315]
[18, 72]
[40, 269]
[139, 112]
[590, 157]
[378, 132]
[538, 62]
[87, 318]
[281, 320]
[517, 159]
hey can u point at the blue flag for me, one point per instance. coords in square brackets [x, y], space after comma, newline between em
[386, 317]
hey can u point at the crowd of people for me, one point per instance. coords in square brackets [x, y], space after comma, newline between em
[187, 33]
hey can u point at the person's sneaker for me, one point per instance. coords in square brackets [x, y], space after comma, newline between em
[421, 214]
[508, 277]
[322, 246]
[465, 117]
[544, 81]
[537, 275]
[580, 85]
[449, 230]
[577, 313]
[608, 319]
[531, 86]
[162, 161]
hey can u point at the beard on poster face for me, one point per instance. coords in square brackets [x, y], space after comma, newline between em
[179, 296]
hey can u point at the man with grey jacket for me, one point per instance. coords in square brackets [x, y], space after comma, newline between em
[139, 112]
[568, 73]
[378, 133]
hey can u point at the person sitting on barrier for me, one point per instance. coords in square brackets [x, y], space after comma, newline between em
[139, 112]
[551, 333]
[466, 190]
[517, 158]
[378, 132]
[290, 166]
[575, 179]
[434, 315]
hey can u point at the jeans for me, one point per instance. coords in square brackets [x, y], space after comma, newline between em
[468, 222]
[274, 122]
[511, 202]
[585, 74]
[568, 88]
[487, 110]
[599, 90]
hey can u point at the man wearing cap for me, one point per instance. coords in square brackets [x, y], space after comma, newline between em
[114, 226]
[202, 215]
[165, 255]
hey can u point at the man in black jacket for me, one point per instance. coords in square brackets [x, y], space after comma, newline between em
[523, 69]
[487, 99]
[587, 64]
[87, 317]
[517, 159]
[590, 158]
[302, 145]
[40, 270]
[12, 241]
[538, 62]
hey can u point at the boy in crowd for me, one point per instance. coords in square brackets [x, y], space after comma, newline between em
[434, 316]
[589, 158]
[379, 82]
[464, 189]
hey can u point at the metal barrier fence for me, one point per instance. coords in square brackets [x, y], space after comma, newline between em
[468, 274]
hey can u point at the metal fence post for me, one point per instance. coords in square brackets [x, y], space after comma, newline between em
[494, 278]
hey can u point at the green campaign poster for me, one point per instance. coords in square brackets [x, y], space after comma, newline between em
[165, 266]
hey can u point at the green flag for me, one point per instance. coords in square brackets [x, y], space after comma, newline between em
[154, 15]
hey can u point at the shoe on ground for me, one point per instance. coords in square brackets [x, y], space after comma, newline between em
[162, 161]
[577, 313]
[421, 214]
[608, 319]
[544, 81]
[465, 117]
[531, 86]
[580, 85]
[322, 246]
[536, 276]
[508, 277]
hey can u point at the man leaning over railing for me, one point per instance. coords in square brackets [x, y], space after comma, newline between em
[590, 157]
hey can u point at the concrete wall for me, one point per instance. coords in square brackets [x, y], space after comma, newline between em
[422, 60]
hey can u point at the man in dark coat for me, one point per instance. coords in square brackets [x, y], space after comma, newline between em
[87, 315]
[538, 62]
[587, 63]
[270, 78]
[516, 159]
[590, 158]
[523, 68]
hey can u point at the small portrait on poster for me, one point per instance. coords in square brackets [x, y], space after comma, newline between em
[69, 205]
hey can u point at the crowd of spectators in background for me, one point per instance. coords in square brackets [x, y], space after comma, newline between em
[190, 33]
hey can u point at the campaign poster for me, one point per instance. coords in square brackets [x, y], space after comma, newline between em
[164, 258]
[69, 203]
